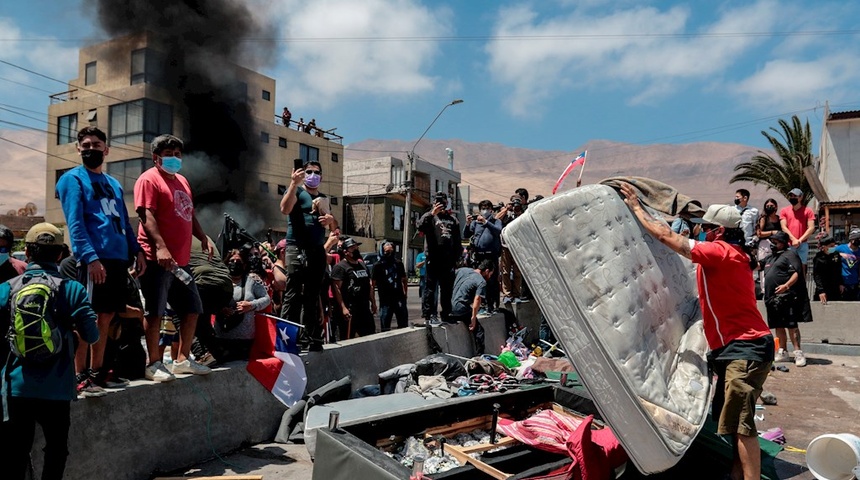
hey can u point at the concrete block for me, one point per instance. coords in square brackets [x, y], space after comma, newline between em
[834, 323]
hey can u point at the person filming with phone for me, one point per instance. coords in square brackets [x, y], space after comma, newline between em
[305, 255]
[442, 238]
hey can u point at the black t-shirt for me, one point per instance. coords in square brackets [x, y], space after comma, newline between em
[778, 269]
[388, 274]
[355, 283]
[758, 350]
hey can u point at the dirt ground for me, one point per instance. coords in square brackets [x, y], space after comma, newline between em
[823, 397]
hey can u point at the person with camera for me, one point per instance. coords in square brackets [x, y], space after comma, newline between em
[353, 293]
[305, 254]
[512, 279]
[442, 239]
[485, 242]
[235, 324]
[785, 296]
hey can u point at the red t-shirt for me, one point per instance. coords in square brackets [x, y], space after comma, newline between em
[726, 294]
[171, 203]
[797, 221]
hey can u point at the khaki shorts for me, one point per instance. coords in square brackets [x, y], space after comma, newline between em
[739, 385]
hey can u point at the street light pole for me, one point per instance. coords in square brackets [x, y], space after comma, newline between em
[410, 164]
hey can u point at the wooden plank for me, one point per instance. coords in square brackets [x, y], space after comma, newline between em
[224, 477]
[464, 458]
[483, 447]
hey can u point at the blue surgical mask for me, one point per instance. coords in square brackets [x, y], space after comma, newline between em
[702, 236]
[4, 257]
[171, 165]
[831, 250]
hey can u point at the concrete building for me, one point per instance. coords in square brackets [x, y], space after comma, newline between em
[839, 172]
[121, 89]
[374, 199]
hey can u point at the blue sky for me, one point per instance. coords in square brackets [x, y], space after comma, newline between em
[544, 75]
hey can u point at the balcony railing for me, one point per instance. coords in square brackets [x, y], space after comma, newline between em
[64, 97]
[317, 132]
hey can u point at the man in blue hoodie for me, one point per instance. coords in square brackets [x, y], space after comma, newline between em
[103, 242]
[42, 391]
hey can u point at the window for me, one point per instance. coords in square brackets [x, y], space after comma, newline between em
[282, 189]
[266, 95]
[146, 66]
[282, 142]
[139, 121]
[264, 137]
[334, 157]
[126, 172]
[67, 129]
[264, 187]
[397, 217]
[308, 153]
[333, 200]
[92, 115]
[90, 73]
[59, 174]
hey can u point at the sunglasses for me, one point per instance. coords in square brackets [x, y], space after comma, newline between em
[312, 172]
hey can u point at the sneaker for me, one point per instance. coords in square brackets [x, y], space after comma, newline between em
[780, 356]
[799, 359]
[86, 388]
[190, 366]
[157, 372]
[107, 379]
[434, 321]
[207, 359]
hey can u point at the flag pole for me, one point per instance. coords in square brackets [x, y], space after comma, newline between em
[283, 320]
[584, 159]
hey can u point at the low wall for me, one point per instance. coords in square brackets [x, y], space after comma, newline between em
[834, 323]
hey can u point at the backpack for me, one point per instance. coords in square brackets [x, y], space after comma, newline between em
[33, 333]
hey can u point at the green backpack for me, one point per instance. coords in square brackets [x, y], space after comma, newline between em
[33, 334]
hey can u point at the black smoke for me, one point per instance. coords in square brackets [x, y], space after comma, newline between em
[200, 43]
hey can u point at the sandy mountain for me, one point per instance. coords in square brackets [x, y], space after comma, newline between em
[23, 169]
[494, 171]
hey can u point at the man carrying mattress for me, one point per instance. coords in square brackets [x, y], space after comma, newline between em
[740, 342]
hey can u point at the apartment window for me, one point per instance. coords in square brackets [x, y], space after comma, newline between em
[139, 121]
[308, 153]
[264, 137]
[267, 95]
[282, 189]
[146, 66]
[282, 142]
[67, 129]
[127, 172]
[264, 187]
[333, 200]
[397, 217]
[90, 74]
[59, 174]
[334, 157]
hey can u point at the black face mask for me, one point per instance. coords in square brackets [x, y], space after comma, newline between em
[793, 201]
[355, 255]
[737, 201]
[236, 268]
[770, 209]
[92, 158]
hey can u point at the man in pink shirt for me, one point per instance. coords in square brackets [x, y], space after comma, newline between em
[798, 221]
[162, 198]
[741, 344]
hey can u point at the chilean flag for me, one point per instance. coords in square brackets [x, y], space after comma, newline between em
[275, 361]
[579, 160]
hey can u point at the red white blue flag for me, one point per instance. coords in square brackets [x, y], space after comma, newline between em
[579, 160]
[275, 361]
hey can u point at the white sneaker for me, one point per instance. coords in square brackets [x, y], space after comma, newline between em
[157, 372]
[799, 359]
[190, 366]
[780, 356]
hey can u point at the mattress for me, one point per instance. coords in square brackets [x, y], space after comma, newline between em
[626, 311]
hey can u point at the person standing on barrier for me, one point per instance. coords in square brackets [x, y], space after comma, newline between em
[443, 249]
[741, 344]
[305, 255]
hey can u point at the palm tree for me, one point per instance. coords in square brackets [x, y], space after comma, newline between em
[794, 153]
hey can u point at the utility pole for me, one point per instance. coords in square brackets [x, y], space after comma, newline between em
[410, 185]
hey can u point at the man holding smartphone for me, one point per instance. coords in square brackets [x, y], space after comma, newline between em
[442, 237]
[305, 255]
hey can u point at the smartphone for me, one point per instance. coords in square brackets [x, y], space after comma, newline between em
[298, 163]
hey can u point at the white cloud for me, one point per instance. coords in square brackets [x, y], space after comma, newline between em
[46, 55]
[323, 68]
[795, 85]
[621, 55]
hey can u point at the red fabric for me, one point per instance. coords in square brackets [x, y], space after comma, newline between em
[595, 453]
[171, 202]
[726, 294]
[261, 361]
[796, 221]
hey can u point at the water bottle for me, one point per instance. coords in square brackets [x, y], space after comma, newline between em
[181, 274]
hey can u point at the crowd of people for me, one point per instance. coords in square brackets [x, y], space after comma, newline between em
[309, 127]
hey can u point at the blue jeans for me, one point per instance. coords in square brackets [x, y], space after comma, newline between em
[390, 309]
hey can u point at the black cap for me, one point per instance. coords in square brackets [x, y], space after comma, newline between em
[350, 242]
[780, 237]
[826, 240]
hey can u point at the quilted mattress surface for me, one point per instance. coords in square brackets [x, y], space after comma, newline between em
[626, 311]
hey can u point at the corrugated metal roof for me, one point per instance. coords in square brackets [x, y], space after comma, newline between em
[844, 115]
[841, 202]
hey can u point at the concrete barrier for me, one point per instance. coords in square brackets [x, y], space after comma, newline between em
[834, 323]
